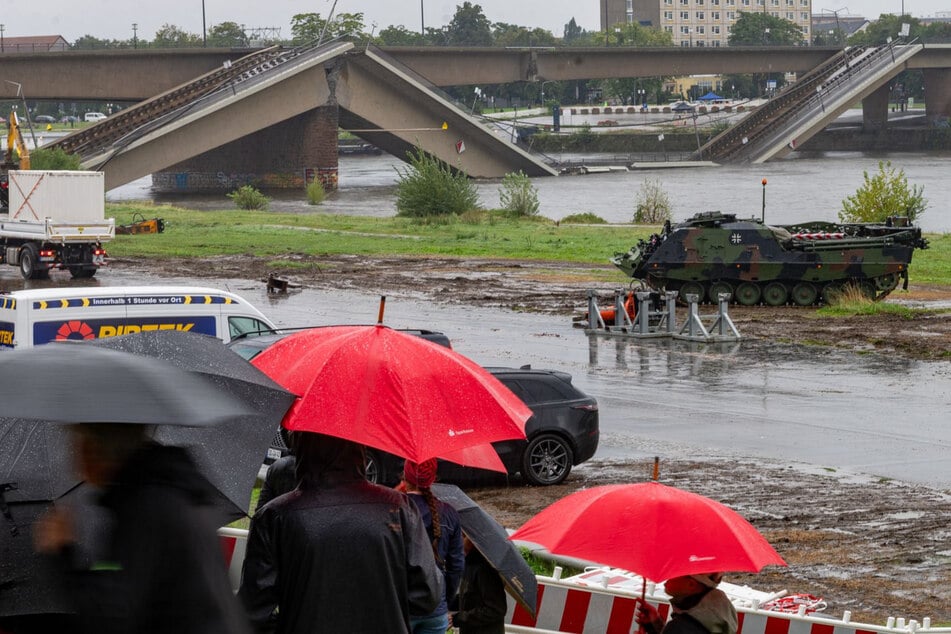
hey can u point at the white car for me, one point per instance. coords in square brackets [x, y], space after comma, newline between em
[94, 116]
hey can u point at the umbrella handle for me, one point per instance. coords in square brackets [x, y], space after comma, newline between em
[5, 508]
[379, 317]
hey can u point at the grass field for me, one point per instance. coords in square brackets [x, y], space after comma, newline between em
[478, 234]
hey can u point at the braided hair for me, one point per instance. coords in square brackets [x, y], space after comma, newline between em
[421, 476]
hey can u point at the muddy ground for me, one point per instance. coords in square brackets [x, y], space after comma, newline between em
[874, 547]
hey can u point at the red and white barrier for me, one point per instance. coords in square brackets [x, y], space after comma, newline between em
[567, 606]
[578, 607]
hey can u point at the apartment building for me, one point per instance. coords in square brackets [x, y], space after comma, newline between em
[702, 22]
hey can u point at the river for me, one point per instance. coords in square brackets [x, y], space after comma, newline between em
[801, 188]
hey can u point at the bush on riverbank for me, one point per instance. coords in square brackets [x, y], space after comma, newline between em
[885, 194]
[652, 206]
[518, 196]
[247, 197]
[429, 188]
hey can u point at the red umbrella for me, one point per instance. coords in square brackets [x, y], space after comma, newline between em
[654, 530]
[395, 392]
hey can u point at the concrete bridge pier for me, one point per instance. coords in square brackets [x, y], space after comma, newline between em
[287, 155]
[937, 94]
[875, 110]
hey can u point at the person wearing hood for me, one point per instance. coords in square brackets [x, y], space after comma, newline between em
[698, 606]
[337, 553]
[160, 568]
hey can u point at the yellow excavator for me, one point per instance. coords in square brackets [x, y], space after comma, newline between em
[15, 146]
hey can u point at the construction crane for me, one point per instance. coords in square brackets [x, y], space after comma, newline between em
[15, 145]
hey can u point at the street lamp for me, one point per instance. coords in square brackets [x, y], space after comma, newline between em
[204, 29]
[766, 36]
[135, 35]
[690, 35]
[422, 19]
[2, 28]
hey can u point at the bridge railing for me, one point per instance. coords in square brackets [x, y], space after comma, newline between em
[837, 87]
[801, 101]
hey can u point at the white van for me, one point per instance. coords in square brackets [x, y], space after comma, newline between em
[33, 317]
[93, 116]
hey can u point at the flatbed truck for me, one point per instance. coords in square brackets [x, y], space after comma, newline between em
[55, 220]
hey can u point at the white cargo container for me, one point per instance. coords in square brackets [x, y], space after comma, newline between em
[64, 196]
[55, 220]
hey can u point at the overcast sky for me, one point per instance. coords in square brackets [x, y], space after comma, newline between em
[112, 19]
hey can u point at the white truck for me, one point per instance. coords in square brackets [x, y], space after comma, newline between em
[55, 220]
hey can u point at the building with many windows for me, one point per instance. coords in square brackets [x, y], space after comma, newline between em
[702, 22]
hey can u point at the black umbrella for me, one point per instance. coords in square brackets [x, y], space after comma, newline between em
[230, 454]
[90, 383]
[493, 542]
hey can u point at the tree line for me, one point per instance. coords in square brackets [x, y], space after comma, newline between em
[471, 27]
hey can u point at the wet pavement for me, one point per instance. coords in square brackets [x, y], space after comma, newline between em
[869, 413]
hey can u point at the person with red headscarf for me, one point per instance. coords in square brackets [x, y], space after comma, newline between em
[445, 532]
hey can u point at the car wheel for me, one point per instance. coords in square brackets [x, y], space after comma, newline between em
[547, 460]
[374, 468]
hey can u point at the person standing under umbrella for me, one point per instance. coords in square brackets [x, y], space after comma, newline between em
[445, 530]
[337, 553]
[161, 570]
[482, 602]
[697, 607]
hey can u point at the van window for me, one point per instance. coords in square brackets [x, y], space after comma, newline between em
[238, 326]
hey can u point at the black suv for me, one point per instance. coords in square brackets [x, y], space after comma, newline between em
[562, 432]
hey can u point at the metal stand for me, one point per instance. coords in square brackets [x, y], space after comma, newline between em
[648, 323]
[693, 329]
[723, 328]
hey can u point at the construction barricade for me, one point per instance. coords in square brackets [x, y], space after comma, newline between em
[603, 601]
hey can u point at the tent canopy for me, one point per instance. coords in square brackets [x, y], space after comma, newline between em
[711, 96]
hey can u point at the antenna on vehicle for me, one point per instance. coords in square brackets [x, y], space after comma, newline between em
[763, 217]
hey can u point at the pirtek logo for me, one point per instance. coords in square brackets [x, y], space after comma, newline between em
[76, 329]
[115, 331]
[6, 337]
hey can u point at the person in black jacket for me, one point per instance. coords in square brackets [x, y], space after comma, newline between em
[697, 607]
[161, 569]
[337, 553]
[482, 602]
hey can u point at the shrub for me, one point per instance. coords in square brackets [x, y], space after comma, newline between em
[53, 159]
[316, 193]
[885, 194]
[586, 218]
[247, 197]
[652, 206]
[429, 187]
[517, 195]
[583, 134]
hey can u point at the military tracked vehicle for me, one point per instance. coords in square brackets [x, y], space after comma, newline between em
[715, 253]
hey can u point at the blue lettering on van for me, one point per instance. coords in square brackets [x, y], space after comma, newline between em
[61, 329]
[6, 334]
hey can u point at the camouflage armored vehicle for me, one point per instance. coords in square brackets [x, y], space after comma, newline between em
[714, 253]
